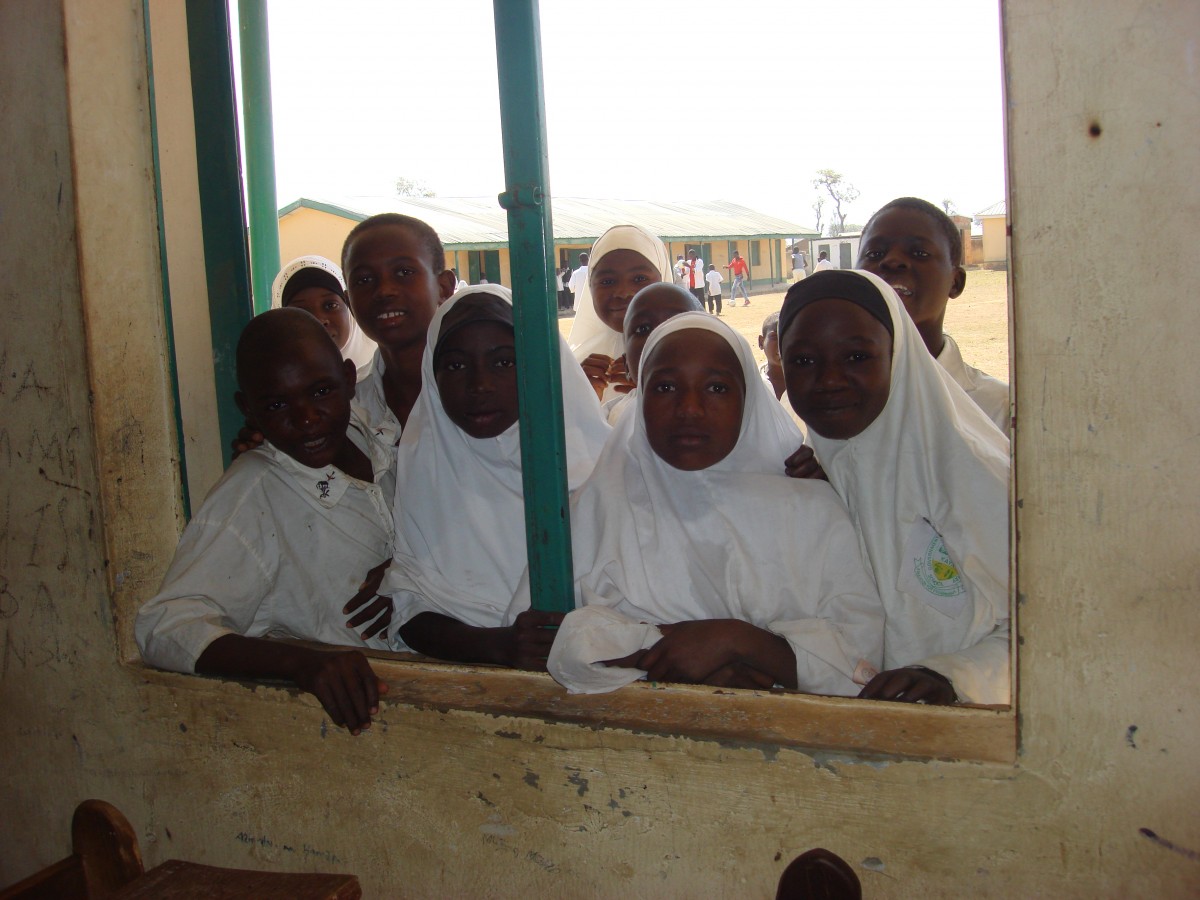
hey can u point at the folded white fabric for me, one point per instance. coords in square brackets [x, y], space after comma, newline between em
[592, 634]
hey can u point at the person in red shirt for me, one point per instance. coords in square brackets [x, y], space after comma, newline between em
[738, 268]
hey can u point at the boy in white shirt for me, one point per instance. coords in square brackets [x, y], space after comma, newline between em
[714, 279]
[286, 535]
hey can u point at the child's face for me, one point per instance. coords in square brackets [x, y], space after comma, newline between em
[299, 398]
[906, 249]
[476, 373]
[614, 279]
[328, 309]
[837, 364]
[694, 395]
[769, 344]
[646, 312]
[392, 285]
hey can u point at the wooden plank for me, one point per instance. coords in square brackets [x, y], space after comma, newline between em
[180, 880]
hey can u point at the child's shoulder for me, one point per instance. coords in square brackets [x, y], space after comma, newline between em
[256, 473]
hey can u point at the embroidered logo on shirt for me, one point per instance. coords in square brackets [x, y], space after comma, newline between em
[323, 486]
[928, 571]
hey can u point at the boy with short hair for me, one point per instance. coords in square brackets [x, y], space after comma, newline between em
[768, 343]
[286, 535]
[714, 279]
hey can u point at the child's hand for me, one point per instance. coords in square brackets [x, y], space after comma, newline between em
[911, 685]
[803, 464]
[740, 675]
[379, 610]
[344, 683]
[530, 638]
[618, 376]
[595, 367]
[247, 439]
[692, 652]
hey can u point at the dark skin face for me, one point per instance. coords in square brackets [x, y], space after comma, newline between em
[300, 401]
[837, 361]
[393, 288]
[694, 396]
[476, 373]
[649, 309]
[615, 279]
[327, 308]
[906, 249]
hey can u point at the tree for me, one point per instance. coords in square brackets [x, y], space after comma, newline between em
[948, 206]
[413, 187]
[841, 192]
[817, 208]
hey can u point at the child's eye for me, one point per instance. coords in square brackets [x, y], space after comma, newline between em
[332, 306]
[920, 254]
[663, 387]
[275, 406]
[640, 279]
[505, 363]
[860, 356]
[801, 361]
[452, 366]
[322, 391]
[718, 387]
[643, 330]
[872, 254]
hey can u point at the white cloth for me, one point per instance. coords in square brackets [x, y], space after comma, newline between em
[927, 487]
[823, 264]
[358, 347]
[691, 266]
[460, 504]
[371, 406]
[714, 280]
[990, 394]
[588, 333]
[276, 550]
[615, 407]
[576, 284]
[737, 540]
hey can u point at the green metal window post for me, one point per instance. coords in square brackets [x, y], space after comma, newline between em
[535, 307]
[260, 149]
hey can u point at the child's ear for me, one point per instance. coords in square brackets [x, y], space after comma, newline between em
[446, 285]
[960, 282]
[351, 373]
[762, 342]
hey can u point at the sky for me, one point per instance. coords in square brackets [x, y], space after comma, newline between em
[648, 100]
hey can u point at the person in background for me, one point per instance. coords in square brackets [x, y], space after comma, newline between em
[713, 279]
[738, 268]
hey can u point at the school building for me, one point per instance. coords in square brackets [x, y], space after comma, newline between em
[484, 782]
[474, 231]
[993, 247]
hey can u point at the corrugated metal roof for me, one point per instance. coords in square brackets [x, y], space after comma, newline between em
[996, 209]
[480, 220]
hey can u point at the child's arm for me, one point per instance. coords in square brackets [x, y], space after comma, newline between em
[379, 608]
[709, 651]
[341, 679]
[523, 645]
[914, 684]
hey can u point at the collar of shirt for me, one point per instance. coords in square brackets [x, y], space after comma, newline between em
[328, 485]
[951, 360]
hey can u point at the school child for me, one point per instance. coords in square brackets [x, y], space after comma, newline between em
[696, 559]
[396, 276]
[740, 271]
[286, 536]
[649, 308]
[460, 511]
[315, 284]
[917, 249]
[624, 260]
[925, 475]
[713, 278]
[768, 342]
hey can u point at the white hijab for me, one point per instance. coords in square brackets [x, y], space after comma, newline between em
[358, 346]
[460, 508]
[588, 333]
[655, 544]
[932, 464]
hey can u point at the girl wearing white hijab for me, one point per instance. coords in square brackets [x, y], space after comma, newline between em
[696, 559]
[924, 473]
[315, 284]
[636, 258]
[459, 510]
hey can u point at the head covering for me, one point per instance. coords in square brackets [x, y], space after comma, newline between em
[317, 271]
[844, 285]
[927, 487]
[739, 539]
[459, 509]
[588, 333]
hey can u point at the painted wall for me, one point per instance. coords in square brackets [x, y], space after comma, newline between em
[995, 241]
[1102, 796]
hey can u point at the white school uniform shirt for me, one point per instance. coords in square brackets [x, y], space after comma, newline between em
[371, 407]
[460, 505]
[927, 487]
[990, 394]
[276, 550]
[714, 280]
[653, 544]
[576, 284]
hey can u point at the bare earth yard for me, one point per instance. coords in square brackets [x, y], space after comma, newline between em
[978, 320]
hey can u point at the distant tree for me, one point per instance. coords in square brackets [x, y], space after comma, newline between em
[841, 192]
[948, 206]
[817, 208]
[413, 187]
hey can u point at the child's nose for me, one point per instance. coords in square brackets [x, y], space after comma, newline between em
[830, 375]
[690, 405]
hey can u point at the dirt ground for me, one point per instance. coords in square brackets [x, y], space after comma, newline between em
[978, 320]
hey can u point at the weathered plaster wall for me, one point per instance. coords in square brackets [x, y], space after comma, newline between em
[435, 802]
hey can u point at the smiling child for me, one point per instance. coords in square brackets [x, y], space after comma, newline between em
[696, 560]
[460, 510]
[924, 474]
[315, 285]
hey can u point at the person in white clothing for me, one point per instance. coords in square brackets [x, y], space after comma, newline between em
[696, 559]
[693, 275]
[713, 278]
[925, 475]
[916, 248]
[293, 530]
[315, 284]
[823, 262]
[578, 280]
[460, 508]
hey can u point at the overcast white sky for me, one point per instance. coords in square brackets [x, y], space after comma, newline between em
[648, 99]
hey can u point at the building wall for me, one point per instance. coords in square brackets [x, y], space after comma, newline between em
[436, 801]
[995, 241]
